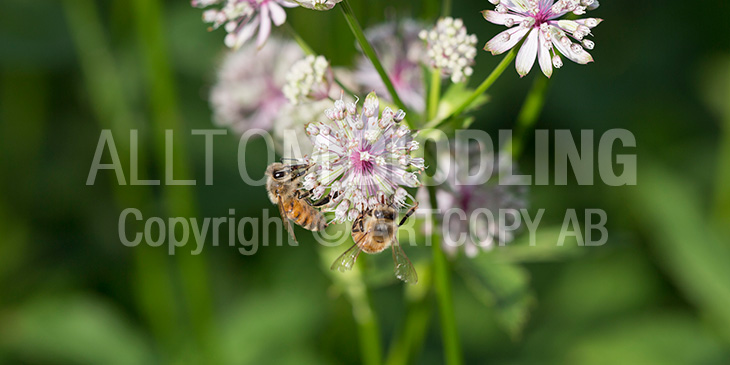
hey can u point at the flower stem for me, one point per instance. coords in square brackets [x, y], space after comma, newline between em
[165, 117]
[722, 186]
[369, 333]
[479, 91]
[446, 8]
[152, 282]
[356, 291]
[418, 317]
[434, 93]
[367, 48]
[442, 286]
[528, 115]
[300, 41]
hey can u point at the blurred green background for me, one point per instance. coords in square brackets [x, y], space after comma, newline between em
[71, 293]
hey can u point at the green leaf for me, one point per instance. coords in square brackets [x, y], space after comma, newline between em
[454, 96]
[258, 327]
[546, 248]
[688, 249]
[666, 338]
[504, 287]
[79, 329]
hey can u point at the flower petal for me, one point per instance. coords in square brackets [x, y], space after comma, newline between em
[309, 4]
[528, 52]
[504, 41]
[518, 6]
[265, 28]
[278, 15]
[567, 25]
[546, 4]
[246, 33]
[500, 18]
[288, 4]
[543, 56]
[589, 22]
[565, 46]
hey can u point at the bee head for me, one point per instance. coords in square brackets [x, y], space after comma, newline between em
[384, 212]
[278, 171]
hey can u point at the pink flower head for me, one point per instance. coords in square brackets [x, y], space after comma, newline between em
[247, 93]
[536, 21]
[358, 157]
[401, 52]
[473, 199]
[242, 18]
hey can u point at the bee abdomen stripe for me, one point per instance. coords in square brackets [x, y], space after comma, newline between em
[306, 220]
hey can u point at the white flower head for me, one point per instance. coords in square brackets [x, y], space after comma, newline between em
[360, 156]
[243, 18]
[247, 93]
[309, 78]
[450, 48]
[545, 35]
[401, 52]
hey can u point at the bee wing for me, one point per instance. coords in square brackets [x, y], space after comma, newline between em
[347, 260]
[403, 267]
[285, 220]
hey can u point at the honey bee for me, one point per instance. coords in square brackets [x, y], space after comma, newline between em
[373, 232]
[283, 186]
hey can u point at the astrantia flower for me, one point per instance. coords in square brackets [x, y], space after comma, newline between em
[358, 156]
[309, 78]
[536, 21]
[479, 228]
[317, 4]
[401, 52]
[242, 18]
[450, 48]
[248, 91]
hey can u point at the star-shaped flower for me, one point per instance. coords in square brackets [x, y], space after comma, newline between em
[544, 34]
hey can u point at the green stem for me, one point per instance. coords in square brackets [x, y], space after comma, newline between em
[442, 286]
[179, 200]
[300, 41]
[418, 317]
[153, 284]
[352, 285]
[483, 87]
[528, 115]
[434, 94]
[368, 332]
[722, 186]
[446, 8]
[367, 48]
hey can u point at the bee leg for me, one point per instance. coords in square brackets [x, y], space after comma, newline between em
[303, 195]
[289, 159]
[300, 170]
[357, 226]
[322, 202]
[408, 214]
[326, 199]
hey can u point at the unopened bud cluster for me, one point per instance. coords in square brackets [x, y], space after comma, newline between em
[450, 49]
[308, 78]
